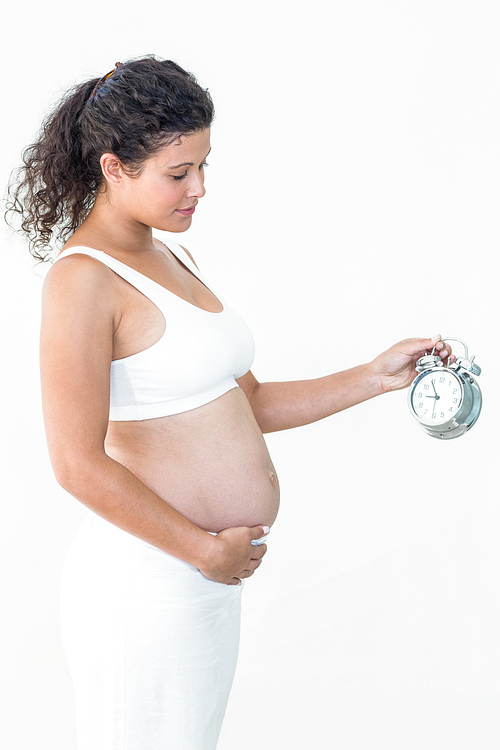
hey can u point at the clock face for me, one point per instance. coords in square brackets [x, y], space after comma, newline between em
[436, 397]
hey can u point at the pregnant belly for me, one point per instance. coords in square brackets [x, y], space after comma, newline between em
[211, 463]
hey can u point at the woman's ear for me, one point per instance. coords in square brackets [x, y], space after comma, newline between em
[112, 168]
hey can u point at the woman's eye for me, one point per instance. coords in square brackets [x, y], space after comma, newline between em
[182, 176]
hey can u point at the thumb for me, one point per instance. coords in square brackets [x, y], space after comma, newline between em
[419, 346]
[428, 343]
[435, 339]
[257, 532]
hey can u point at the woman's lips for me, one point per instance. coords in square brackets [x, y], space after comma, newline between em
[187, 211]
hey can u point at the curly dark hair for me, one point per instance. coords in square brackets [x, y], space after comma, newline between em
[143, 105]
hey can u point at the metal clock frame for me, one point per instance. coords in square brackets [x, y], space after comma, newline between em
[471, 399]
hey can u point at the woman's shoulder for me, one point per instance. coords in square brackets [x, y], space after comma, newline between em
[80, 302]
[76, 274]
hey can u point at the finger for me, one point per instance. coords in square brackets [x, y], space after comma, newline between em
[254, 564]
[441, 346]
[259, 552]
[444, 350]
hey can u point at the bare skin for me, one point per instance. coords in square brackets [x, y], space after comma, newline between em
[171, 479]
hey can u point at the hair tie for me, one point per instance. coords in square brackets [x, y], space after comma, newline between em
[103, 79]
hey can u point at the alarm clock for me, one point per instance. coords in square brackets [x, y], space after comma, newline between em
[444, 398]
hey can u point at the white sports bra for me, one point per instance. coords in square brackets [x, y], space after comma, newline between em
[194, 362]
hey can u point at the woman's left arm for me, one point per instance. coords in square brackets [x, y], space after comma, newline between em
[281, 406]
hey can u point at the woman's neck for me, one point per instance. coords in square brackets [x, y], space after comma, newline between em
[107, 227]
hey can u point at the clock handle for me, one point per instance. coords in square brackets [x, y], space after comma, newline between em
[465, 362]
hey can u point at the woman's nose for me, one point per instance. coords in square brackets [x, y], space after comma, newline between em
[197, 186]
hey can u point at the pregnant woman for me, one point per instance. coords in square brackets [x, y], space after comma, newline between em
[154, 420]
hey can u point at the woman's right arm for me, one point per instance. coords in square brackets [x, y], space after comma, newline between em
[81, 312]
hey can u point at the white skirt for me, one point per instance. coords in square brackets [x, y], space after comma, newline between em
[151, 644]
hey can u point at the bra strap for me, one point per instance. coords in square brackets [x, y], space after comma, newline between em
[142, 283]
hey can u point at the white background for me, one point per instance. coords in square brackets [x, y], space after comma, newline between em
[353, 196]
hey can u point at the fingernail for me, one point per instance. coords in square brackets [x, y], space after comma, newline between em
[436, 337]
[266, 529]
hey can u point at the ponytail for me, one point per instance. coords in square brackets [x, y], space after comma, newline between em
[55, 187]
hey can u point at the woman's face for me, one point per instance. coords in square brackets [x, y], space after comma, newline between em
[165, 194]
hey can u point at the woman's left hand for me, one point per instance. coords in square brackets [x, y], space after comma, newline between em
[396, 366]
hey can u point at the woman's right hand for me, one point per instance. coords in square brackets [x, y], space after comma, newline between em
[232, 555]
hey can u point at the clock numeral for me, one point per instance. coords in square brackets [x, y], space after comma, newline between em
[426, 387]
[441, 380]
[442, 415]
[421, 405]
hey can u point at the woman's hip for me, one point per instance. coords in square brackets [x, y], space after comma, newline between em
[107, 562]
